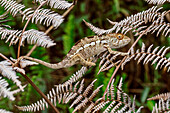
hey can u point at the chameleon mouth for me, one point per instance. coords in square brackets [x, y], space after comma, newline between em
[127, 39]
[124, 41]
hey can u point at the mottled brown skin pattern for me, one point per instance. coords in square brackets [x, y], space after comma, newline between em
[87, 48]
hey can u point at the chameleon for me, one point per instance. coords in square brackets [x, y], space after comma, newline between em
[87, 48]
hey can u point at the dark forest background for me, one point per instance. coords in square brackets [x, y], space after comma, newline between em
[140, 80]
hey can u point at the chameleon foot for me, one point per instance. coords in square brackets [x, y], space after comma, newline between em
[82, 61]
[86, 63]
[116, 52]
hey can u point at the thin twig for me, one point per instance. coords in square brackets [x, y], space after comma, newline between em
[29, 53]
[25, 76]
[117, 68]
[20, 39]
[4, 57]
[39, 91]
[51, 27]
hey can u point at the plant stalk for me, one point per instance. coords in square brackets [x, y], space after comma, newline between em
[41, 93]
[20, 39]
[50, 28]
[117, 68]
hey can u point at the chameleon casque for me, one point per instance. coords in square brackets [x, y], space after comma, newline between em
[88, 47]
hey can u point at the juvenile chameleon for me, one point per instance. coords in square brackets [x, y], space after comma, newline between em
[87, 48]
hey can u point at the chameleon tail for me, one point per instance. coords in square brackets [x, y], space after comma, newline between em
[59, 65]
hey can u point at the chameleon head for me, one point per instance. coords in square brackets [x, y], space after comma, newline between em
[119, 40]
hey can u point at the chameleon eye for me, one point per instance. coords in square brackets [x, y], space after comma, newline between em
[119, 37]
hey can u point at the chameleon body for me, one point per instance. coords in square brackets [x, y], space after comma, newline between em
[88, 47]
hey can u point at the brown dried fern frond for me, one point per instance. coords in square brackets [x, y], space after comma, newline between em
[58, 4]
[2, 20]
[5, 92]
[136, 23]
[43, 16]
[12, 6]
[158, 2]
[33, 37]
[162, 106]
[24, 63]
[83, 99]
[79, 74]
[4, 111]
[7, 71]
[148, 55]
[163, 96]
[65, 93]
[115, 101]
[158, 26]
[12, 35]
[52, 94]
[108, 61]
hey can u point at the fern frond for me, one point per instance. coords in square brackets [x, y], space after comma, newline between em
[163, 96]
[2, 20]
[58, 4]
[37, 37]
[133, 23]
[107, 61]
[32, 36]
[53, 95]
[19, 70]
[12, 35]
[120, 102]
[43, 16]
[83, 99]
[158, 2]
[3, 16]
[79, 74]
[40, 1]
[97, 30]
[5, 92]
[147, 56]
[65, 93]
[4, 111]
[12, 6]
[7, 71]
[162, 106]
[24, 63]
[159, 26]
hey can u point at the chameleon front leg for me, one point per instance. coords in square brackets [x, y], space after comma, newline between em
[82, 61]
[116, 52]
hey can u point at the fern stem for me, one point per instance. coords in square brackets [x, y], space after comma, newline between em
[32, 49]
[39, 91]
[4, 57]
[51, 27]
[25, 76]
[20, 39]
[117, 68]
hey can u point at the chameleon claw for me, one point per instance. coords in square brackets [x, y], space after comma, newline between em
[92, 64]
[89, 64]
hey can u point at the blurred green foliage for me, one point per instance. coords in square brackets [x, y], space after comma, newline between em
[140, 80]
[68, 37]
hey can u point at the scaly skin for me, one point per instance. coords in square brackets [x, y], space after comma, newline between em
[88, 47]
